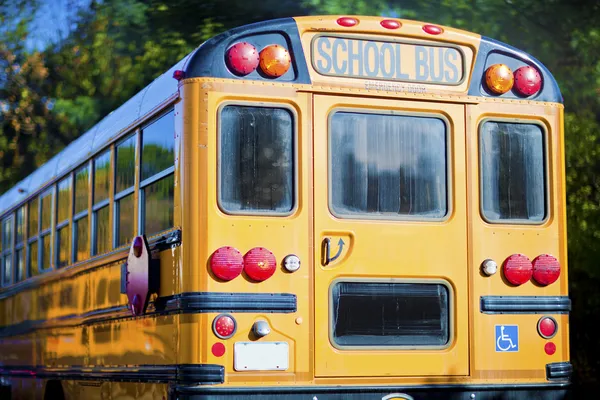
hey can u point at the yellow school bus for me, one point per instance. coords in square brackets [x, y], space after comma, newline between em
[334, 207]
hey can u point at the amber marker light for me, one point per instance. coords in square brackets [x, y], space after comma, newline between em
[499, 78]
[275, 60]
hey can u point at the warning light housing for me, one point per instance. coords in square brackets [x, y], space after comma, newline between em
[528, 81]
[242, 58]
[259, 264]
[517, 269]
[224, 326]
[227, 263]
[499, 78]
[546, 269]
[547, 327]
[275, 60]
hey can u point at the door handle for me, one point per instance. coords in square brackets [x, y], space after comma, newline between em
[326, 256]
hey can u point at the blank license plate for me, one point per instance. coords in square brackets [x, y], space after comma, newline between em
[262, 356]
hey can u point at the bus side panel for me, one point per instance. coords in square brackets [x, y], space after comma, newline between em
[493, 357]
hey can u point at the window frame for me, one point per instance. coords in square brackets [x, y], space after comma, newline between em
[141, 185]
[400, 217]
[104, 203]
[432, 281]
[295, 154]
[22, 245]
[546, 158]
[83, 213]
[50, 191]
[66, 223]
[10, 252]
[136, 134]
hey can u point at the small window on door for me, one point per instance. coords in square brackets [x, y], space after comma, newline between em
[513, 172]
[256, 160]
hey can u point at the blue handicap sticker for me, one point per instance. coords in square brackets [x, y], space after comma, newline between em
[507, 338]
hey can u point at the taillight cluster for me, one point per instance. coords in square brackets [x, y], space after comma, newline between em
[242, 58]
[525, 81]
[518, 269]
[258, 263]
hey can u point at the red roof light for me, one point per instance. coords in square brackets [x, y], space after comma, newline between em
[390, 24]
[347, 21]
[432, 29]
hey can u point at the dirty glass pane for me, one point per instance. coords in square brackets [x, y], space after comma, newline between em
[390, 314]
[158, 206]
[82, 189]
[388, 166]
[102, 227]
[126, 221]
[513, 172]
[46, 252]
[7, 230]
[33, 259]
[256, 159]
[7, 273]
[20, 260]
[20, 231]
[125, 168]
[158, 146]
[82, 248]
[47, 211]
[102, 177]
[64, 246]
[33, 217]
[64, 200]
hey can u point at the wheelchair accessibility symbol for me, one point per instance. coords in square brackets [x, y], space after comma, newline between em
[507, 338]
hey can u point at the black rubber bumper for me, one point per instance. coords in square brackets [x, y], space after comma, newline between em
[437, 392]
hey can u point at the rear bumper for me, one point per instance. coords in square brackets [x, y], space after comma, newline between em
[552, 391]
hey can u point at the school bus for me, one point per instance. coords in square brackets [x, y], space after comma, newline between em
[334, 207]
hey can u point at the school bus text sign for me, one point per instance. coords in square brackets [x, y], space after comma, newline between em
[396, 61]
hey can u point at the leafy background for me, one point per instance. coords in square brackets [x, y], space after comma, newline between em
[54, 88]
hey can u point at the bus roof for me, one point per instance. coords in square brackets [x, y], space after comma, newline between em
[208, 61]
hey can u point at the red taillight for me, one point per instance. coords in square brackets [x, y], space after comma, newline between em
[517, 269]
[547, 327]
[546, 269]
[432, 29]
[242, 58]
[259, 264]
[347, 21]
[224, 326]
[226, 263]
[528, 81]
[390, 24]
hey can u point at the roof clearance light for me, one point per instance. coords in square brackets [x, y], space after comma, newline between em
[224, 326]
[259, 264]
[517, 269]
[242, 58]
[227, 263]
[347, 21]
[390, 24]
[528, 81]
[432, 29]
[275, 60]
[547, 327]
[499, 78]
[546, 269]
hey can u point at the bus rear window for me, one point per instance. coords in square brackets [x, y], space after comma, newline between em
[513, 186]
[388, 166]
[256, 160]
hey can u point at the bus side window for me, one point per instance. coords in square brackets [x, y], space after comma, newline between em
[46, 217]
[513, 172]
[101, 212]
[124, 190]
[32, 241]
[256, 160]
[157, 179]
[80, 218]
[63, 233]
[20, 269]
[6, 253]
